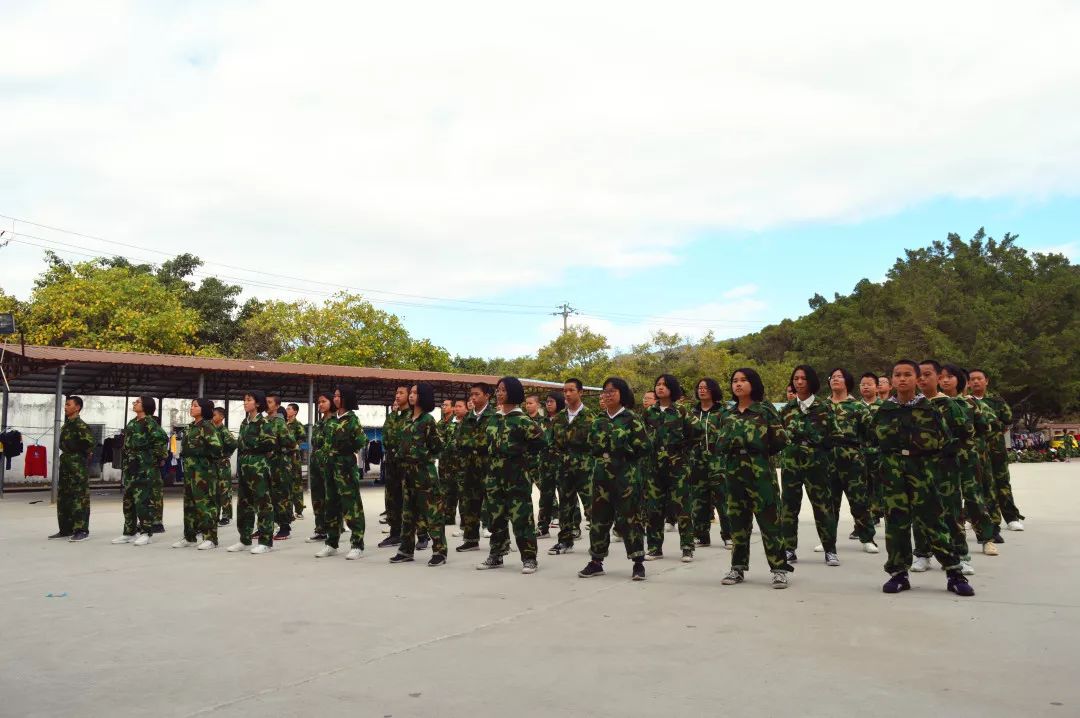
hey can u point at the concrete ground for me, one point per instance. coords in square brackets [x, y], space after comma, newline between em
[153, 631]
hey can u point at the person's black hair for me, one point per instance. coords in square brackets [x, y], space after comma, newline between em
[149, 405]
[869, 375]
[515, 392]
[791, 388]
[76, 400]
[576, 382]
[757, 387]
[206, 407]
[560, 400]
[811, 378]
[295, 407]
[626, 396]
[713, 386]
[649, 391]
[348, 398]
[220, 410]
[275, 396]
[463, 400]
[849, 380]
[259, 397]
[981, 371]
[484, 387]
[959, 373]
[672, 384]
[425, 397]
[932, 362]
[906, 362]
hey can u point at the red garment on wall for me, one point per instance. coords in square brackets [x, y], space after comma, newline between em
[35, 463]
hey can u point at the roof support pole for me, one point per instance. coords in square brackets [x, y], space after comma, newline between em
[202, 385]
[58, 422]
[311, 422]
[3, 428]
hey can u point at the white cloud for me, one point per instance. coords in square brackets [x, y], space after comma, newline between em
[378, 145]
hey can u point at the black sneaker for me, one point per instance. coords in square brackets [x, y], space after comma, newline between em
[543, 534]
[959, 585]
[687, 555]
[390, 541]
[468, 546]
[897, 583]
[854, 536]
[654, 554]
[489, 563]
[791, 557]
[703, 541]
[79, 536]
[60, 535]
[223, 522]
[576, 534]
[283, 534]
[639, 571]
[437, 560]
[400, 558]
[560, 548]
[733, 577]
[998, 538]
[159, 528]
[423, 544]
[592, 568]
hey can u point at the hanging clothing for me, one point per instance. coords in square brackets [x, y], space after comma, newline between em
[13, 445]
[35, 463]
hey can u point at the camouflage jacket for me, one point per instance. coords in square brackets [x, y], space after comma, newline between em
[448, 433]
[871, 409]
[420, 440]
[202, 442]
[851, 426]
[618, 442]
[284, 441]
[915, 429]
[809, 435]
[320, 438]
[391, 431]
[674, 430]
[76, 437]
[344, 435]
[708, 429]
[473, 434]
[256, 437]
[757, 431]
[1002, 421]
[299, 434]
[145, 445]
[572, 437]
[228, 442]
[513, 439]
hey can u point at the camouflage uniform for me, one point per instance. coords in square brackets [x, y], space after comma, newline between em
[73, 495]
[618, 443]
[224, 464]
[852, 427]
[449, 469]
[256, 446]
[707, 476]
[320, 472]
[145, 447]
[873, 465]
[747, 440]
[999, 459]
[809, 462]
[296, 472]
[421, 491]
[911, 438]
[985, 419]
[280, 476]
[392, 428]
[512, 438]
[345, 437]
[574, 467]
[545, 476]
[201, 451]
[472, 443]
[669, 492]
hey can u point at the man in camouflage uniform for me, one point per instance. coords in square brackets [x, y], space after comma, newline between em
[145, 448]
[280, 478]
[447, 469]
[257, 444]
[392, 428]
[868, 390]
[472, 442]
[547, 468]
[224, 467]
[73, 496]
[572, 454]
[979, 382]
[201, 452]
[296, 472]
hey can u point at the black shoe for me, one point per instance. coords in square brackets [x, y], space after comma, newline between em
[298, 516]
[437, 560]
[468, 546]
[283, 534]
[897, 583]
[959, 585]
[423, 544]
[791, 557]
[592, 568]
[79, 536]
[400, 558]
[577, 534]
[998, 538]
[223, 522]
[703, 542]
[654, 554]
[543, 534]
[255, 536]
[560, 548]
[60, 534]
[158, 528]
[854, 536]
[639, 571]
[390, 541]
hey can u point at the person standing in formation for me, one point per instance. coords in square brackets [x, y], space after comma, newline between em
[448, 473]
[548, 474]
[224, 467]
[345, 438]
[979, 383]
[707, 476]
[619, 442]
[392, 428]
[669, 493]
[254, 501]
[570, 441]
[201, 451]
[851, 431]
[868, 384]
[145, 448]
[884, 388]
[295, 470]
[73, 495]
[280, 475]
[473, 445]
[420, 487]
[321, 468]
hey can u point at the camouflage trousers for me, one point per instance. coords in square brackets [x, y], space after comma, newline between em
[200, 500]
[950, 488]
[509, 504]
[574, 480]
[912, 500]
[618, 494]
[849, 478]
[976, 508]
[138, 502]
[710, 493]
[449, 485]
[296, 472]
[818, 484]
[474, 470]
[392, 496]
[73, 495]
[157, 497]
[343, 502]
[669, 492]
[421, 502]
[253, 498]
[872, 464]
[1003, 488]
[317, 480]
[281, 490]
[754, 493]
[547, 481]
[224, 496]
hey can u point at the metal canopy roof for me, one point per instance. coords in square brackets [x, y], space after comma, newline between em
[33, 370]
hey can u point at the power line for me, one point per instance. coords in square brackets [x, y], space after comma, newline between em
[565, 310]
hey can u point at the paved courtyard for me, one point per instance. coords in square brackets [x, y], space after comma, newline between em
[154, 632]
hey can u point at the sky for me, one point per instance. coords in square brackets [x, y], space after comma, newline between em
[472, 166]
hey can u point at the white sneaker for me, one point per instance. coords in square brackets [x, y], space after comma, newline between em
[207, 545]
[326, 552]
[184, 543]
[870, 547]
[261, 549]
[831, 559]
[122, 539]
[819, 549]
[142, 540]
[354, 553]
[966, 568]
[920, 564]
[237, 547]
[1015, 525]
[486, 534]
[458, 533]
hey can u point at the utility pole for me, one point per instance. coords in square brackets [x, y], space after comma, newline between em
[565, 310]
